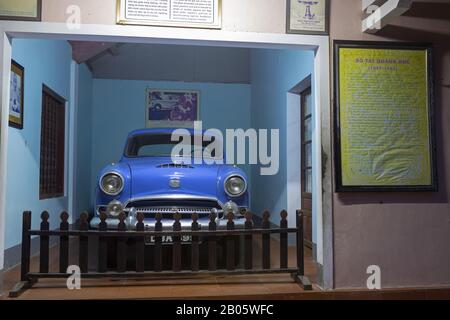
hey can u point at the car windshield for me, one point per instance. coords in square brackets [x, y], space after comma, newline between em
[161, 145]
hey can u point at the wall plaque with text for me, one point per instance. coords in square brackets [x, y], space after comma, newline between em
[172, 13]
[308, 17]
[384, 133]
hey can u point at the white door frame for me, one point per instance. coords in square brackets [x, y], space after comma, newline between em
[140, 34]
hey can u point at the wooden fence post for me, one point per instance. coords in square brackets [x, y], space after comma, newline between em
[176, 253]
[283, 241]
[102, 245]
[300, 245]
[300, 276]
[266, 241]
[140, 244]
[195, 255]
[230, 242]
[44, 244]
[84, 244]
[26, 245]
[122, 245]
[212, 244]
[249, 241]
[64, 244]
[158, 244]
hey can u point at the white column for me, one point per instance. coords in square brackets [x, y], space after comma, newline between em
[71, 159]
[322, 201]
[5, 71]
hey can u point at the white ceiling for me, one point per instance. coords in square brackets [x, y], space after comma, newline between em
[172, 63]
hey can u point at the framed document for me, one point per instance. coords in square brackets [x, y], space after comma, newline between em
[26, 10]
[308, 17]
[172, 108]
[384, 130]
[16, 95]
[171, 13]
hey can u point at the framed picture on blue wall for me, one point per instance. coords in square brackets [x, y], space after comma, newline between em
[16, 95]
[172, 108]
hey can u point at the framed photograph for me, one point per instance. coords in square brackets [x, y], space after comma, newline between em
[23, 10]
[384, 118]
[308, 17]
[172, 108]
[16, 96]
[171, 13]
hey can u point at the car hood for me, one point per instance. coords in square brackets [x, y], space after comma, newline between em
[152, 176]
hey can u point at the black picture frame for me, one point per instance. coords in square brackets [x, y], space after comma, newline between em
[19, 18]
[326, 32]
[339, 187]
[13, 121]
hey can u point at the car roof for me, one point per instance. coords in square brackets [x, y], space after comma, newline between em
[159, 131]
[151, 131]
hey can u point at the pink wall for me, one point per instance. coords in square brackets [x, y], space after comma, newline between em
[406, 234]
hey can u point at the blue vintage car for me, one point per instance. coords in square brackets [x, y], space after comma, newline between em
[147, 179]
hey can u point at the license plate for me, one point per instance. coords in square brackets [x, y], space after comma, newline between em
[150, 241]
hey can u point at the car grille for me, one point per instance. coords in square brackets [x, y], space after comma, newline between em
[186, 208]
[175, 165]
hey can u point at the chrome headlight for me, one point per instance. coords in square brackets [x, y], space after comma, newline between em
[230, 206]
[235, 186]
[114, 208]
[111, 183]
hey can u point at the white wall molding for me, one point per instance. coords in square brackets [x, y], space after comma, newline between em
[139, 34]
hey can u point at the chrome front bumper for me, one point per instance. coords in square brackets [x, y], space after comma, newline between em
[239, 223]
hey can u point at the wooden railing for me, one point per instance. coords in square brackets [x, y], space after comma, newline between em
[84, 235]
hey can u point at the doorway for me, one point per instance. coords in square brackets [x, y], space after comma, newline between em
[306, 164]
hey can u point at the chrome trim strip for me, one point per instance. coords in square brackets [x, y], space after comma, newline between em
[173, 197]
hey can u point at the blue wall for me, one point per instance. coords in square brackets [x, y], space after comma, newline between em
[273, 74]
[83, 199]
[119, 107]
[45, 62]
[109, 109]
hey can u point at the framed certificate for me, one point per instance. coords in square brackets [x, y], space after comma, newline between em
[171, 13]
[308, 17]
[25, 10]
[384, 126]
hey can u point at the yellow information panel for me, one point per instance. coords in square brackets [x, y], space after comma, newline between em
[384, 117]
